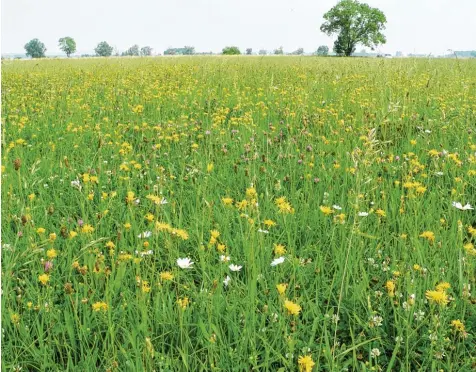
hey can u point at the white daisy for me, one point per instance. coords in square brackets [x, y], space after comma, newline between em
[278, 261]
[462, 207]
[234, 267]
[185, 263]
[145, 234]
[226, 281]
[363, 214]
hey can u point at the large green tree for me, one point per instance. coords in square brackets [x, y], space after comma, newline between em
[354, 23]
[103, 49]
[230, 50]
[67, 45]
[35, 49]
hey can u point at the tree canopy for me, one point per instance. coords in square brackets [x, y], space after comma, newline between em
[354, 23]
[35, 49]
[323, 50]
[231, 50]
[67, 45]
[103, 49]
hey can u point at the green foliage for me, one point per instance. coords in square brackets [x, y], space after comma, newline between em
[146, 51]
[103, 49]
[354, 23]
[263, 52]
[35, 49]
[298, 52]
[132, 51]
[98, 151]
[67, 45]
[278, 51]
[231, 50]
[185, 51]
[249, 51]
[323, 50]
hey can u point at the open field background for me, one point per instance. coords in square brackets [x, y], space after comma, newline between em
[340, 172]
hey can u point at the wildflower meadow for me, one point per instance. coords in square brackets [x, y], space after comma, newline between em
[238, 214]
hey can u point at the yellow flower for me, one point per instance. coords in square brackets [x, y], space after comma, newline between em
[31, 197]
[281, 288]
[428, 235]
[44, 278]
[269, 223]
[292, 308]
[183, 302]
[161, 226]
[110, 245]
[149, 217]
[227, 201]
[438, 297]
[215, 233]
[130, 197]
[51, 253]
[86, 178]
[390, 286]
[251, 193]
[420, 190]
[443, 286]
[98, 306]
[166, 275]
[182, 234]
[72, 234]
[279, 249]
[52, 237]
[305, 363]
[87, 229]
[210, 167]
[326, 210]
[127, 226]
[40, 230]
[15, 318]
[380, 213]
[458, 325]
[145, 286]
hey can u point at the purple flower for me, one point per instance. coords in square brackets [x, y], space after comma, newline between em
[20, 234]
[300, 161]
[397, 158]
[80, 222]
[48, 266]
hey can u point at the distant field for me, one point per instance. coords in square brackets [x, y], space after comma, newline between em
[316, 197]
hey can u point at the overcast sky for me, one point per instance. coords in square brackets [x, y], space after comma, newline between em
[423, 26]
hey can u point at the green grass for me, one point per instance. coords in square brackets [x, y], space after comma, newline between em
[393, 138]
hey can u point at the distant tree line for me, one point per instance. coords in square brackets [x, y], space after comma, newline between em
[353, 23]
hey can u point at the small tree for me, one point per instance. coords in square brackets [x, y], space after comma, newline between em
[278, 51]
[146, 51]
[35, 49]
[263, 52]
[323, 51]
[103, 49]
[132, 51]
[170, 52]
[188, 50]
[354, 23]
[298, 52]
[231, 50]
[249, 51]
[67, 45]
